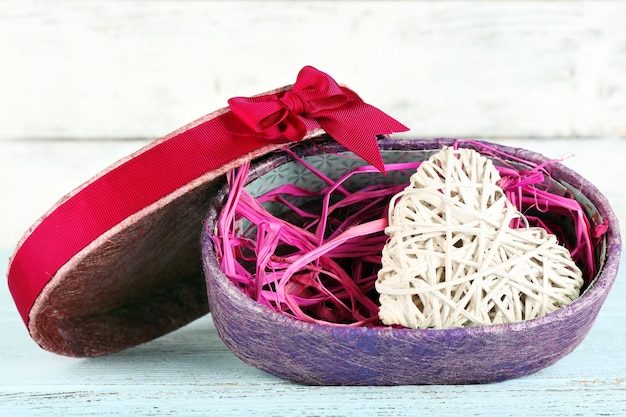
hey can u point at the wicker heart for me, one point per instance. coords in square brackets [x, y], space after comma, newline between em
[452, 260]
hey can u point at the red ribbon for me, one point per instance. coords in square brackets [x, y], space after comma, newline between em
[315, 100]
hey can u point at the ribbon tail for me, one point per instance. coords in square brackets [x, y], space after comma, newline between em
[356, 128]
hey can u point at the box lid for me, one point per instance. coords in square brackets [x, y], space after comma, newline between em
[116, 262]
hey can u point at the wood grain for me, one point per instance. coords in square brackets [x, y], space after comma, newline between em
[190, 372]
[120, 69]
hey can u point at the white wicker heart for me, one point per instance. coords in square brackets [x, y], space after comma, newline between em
[453, 260]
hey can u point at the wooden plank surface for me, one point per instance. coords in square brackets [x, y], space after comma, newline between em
[120, 69]
[191, 373]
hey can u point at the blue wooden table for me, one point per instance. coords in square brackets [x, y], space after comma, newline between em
[191, 373]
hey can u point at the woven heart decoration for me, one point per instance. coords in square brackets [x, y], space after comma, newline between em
[452, 258]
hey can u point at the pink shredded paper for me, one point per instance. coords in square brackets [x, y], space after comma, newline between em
[319, 262]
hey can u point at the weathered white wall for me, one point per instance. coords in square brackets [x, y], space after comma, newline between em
[120, 69]
[72, 71]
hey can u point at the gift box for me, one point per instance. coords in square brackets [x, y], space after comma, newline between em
[315, 352]
[129, 255]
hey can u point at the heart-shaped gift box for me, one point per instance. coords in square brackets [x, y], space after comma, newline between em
[119, 261]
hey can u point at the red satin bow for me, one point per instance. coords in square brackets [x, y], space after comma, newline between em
[315, 100]
[315, 97]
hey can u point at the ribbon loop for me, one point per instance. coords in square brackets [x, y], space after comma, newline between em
[258, 113]
[315, 99]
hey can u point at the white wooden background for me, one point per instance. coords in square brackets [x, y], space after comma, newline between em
[102, 70]
[83, 83]
[126, 69]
